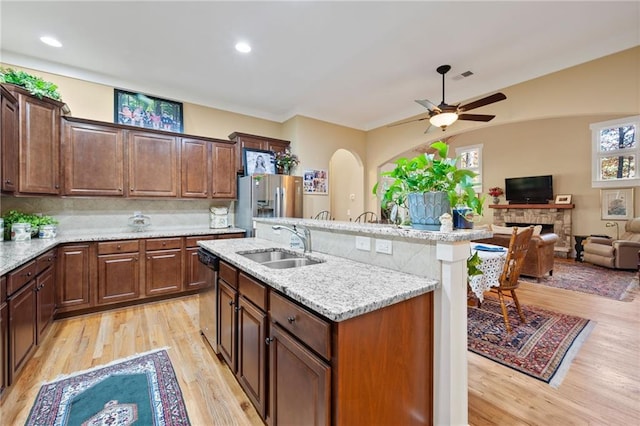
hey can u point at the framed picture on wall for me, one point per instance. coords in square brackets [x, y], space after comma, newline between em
[258, 161]
[140, 110]
[616, 204]
[563, 199]
[316, 182]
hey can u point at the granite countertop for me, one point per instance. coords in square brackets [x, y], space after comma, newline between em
[382, 230]
[337, 289]
[14, 254]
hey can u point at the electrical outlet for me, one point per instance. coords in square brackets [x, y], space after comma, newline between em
[363, 243]
[384, 246]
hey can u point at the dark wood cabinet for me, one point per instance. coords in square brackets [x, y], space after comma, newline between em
[300, 383]
[39, 143]
[252, 334]
[22, 327]
[244, 140]
[9, 140]
[118, 272]
[152, 164]
[227, 322]
[73, 281]
[223, 174]
[194, 168]
[196, 274]
[93, 159]
[45, 301]
[163, 266]
[4, 336]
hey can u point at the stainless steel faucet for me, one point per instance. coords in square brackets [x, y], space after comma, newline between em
[305, 235]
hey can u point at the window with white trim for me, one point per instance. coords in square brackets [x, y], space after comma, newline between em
[470, 157]
[615, 153]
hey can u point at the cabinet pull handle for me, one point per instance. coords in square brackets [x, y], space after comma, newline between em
[230, 302]
[268, 340]
[237, 308]
[8, 181]
[291, 320]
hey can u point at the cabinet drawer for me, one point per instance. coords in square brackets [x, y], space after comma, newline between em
[45, 260]
[20, 276]
[3, 298]
[193, 241]
[309, 328]
[228, 236]
[164, 243]
[228, 273]
[113, 247]
[253, 291]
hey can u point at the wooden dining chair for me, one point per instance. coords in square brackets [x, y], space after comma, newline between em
[323, 215]
[509, 279]
[367, 217]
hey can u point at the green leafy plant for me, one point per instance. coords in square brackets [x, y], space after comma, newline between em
[14, 216]
[35, 85]
[427, 173]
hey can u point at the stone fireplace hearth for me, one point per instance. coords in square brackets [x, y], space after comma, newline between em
[557, 216]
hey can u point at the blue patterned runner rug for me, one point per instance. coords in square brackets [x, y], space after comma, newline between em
[140, 390]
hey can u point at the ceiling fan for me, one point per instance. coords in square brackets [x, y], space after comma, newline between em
[444, 115]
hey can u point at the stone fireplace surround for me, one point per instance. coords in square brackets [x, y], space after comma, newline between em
[557, 216]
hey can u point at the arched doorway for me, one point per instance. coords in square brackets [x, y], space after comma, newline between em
[346, 185]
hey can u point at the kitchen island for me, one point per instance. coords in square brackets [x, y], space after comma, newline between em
[419, 276]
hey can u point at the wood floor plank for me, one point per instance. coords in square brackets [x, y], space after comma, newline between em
[602, 386]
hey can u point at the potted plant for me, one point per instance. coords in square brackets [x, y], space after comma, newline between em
[36, 221]
[34, 85]
[429, 186]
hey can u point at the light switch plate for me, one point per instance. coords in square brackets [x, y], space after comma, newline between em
[384, 246]
[363, 243]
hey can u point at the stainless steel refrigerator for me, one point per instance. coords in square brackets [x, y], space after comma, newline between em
[267, 196]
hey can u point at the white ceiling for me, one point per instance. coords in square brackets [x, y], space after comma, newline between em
[359, 64]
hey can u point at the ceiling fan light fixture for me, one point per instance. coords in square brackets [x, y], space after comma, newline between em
[443, 119]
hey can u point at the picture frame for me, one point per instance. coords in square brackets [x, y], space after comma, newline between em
[316, 182]
[146, 111]
[563, 199]
[258, 161]
[616, 204]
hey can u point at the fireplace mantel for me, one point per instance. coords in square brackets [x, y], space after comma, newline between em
[531, 206]
[556, 215]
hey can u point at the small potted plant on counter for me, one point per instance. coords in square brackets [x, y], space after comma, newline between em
[40, 224]
[429, 186]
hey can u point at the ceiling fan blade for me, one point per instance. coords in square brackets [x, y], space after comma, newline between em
[407, 122]
[426, 103]
[496, 97]
[476, 117]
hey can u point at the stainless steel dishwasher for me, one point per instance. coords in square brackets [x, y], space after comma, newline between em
[208, 298]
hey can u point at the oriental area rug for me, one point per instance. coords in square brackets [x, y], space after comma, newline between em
[542, 348]
[587, 278]
[141, 390]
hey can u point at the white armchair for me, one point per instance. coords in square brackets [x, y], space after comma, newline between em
[619, 253]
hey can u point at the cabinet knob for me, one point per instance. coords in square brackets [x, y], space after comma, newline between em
[291, 320]
[268, 340]
[57, 186]
[120, 189]
[132, 189]
[28, 274]
[230, 302]
[237, 309]
[8, 181]
[118, 247]
[164, 243]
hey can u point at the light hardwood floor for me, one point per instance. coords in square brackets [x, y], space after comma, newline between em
[602, 386]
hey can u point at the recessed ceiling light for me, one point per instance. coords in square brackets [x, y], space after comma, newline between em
[50, 41]
[243, 47]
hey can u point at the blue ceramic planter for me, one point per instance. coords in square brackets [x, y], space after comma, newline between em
[459, 219]
[426, 208]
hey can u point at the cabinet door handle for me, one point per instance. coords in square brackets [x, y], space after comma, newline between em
[57, 186]
[268, 340]
[237, 308]
[291, 320]
[120, 189]
[230, 302]
[28, 274]
[118, 247]
[8, 181]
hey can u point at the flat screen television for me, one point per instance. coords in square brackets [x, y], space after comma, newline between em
[529, 190]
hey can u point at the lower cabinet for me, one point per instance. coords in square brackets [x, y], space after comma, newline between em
[163, 266]
[118, 271]
[22, 327]
[73, 277]
[45, 301]
[4, 336]
[195, 274]
[298, 367]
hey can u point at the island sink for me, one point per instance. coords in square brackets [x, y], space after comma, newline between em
[280, 258]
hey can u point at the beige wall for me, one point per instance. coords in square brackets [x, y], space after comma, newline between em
[542, 128]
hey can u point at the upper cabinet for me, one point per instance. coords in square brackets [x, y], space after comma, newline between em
[38, 143]
[244, 140]
[153, 164]
[9, 137]
[93, 159]
[106, 159]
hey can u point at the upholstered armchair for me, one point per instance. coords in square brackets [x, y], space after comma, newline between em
[619, 253]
